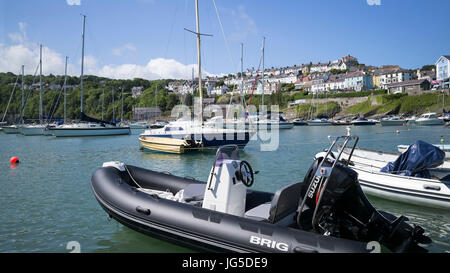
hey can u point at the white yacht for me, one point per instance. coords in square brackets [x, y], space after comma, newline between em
[88, 126]
[319, 122]
[429, 119]
[393, 121]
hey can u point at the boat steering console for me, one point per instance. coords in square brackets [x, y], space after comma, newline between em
[245, 174]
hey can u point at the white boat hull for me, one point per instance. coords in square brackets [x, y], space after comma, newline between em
[392, 122]
[32, 131]
[11, 130]
[405, 189]
[76, 132]
[429, 122]
[319, 123]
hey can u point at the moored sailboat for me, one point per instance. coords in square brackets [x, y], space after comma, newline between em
[187, 135]
[88, 126]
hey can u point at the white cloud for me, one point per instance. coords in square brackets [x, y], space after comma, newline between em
[19, 37]
[14, 56]
[121, 50]
[23, 52]
[73, 2]
[158, 68]
[244, 25]
[374, 2]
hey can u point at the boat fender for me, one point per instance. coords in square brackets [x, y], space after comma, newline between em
[116, 164]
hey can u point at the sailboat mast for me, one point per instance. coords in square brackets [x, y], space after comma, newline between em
[65, 92]
[242, 74]
[40, 84]
[121, 111]
[264, 39]
[23, 68]
[82, 63]
[199, 61]
[114, 110]
[103, 101]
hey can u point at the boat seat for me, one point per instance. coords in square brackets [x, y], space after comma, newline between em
[193, 192]
[284, 203]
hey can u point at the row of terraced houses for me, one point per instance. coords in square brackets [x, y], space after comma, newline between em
[344, 74]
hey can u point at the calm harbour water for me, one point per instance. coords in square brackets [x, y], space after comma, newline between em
[47, 201]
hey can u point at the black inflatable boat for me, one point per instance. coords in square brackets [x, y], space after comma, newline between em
[327, 212]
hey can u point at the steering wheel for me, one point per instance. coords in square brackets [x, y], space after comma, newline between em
[246, 173]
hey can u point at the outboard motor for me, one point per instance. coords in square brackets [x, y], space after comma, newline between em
[334, 204]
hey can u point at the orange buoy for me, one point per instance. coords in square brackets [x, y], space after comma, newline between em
[14, 160]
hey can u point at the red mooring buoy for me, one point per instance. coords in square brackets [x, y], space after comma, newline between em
[14, 160]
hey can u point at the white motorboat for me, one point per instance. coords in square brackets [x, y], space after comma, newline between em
[429, 192]
[299, 122]
[429, 119]
[407, 189]
[319, 122]
[393, 121]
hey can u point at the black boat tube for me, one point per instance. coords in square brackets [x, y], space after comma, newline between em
[196, 227]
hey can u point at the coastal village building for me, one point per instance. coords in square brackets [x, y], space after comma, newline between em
[430, 75]
[390, 74]
[410, 87]
[219, 90]
[358, 81]
[144, 113]
[443, 71]
[136, 91]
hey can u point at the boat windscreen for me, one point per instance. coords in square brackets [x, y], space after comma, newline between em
[416, 161]
[226, 153]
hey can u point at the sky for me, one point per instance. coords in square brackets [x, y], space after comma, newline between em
[128, 39]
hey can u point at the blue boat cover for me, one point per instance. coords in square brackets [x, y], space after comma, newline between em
[415, 161]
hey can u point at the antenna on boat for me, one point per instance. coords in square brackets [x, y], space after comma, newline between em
[198, 34]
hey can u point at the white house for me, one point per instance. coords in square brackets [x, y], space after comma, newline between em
[136, 91]
[319, 67]
[391, 75]
[443, 70]
[219, 90]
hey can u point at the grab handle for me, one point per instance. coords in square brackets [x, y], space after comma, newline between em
[143, 210]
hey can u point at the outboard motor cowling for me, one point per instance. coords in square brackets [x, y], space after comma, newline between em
[334, 204]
